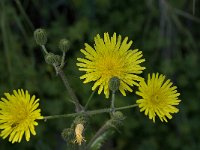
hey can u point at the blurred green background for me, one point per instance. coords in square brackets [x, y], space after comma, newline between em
[168, 33]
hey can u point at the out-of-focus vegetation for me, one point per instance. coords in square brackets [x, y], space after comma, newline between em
[166, 31]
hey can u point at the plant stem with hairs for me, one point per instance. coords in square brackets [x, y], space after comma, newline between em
[113, 102]
[89, 99]
[89, 113]
[104, 128]
[58, 68]
[78, 106]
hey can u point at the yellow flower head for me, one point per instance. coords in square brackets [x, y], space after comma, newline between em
[158, 97]
[79, 134]
[18, 112]
[111, 57]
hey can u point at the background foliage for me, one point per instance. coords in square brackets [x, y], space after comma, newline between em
[166, 31]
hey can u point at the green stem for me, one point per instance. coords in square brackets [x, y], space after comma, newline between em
[91, 112]
[21, 9]
[89, 99]
[69, 89]
[44, 49]
[60, 72]
[63, 60]
[98, 133]
[113, 102]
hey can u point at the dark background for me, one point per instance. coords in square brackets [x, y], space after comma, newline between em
[166, 31]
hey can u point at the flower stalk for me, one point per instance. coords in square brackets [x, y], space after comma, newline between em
[44, 49]
[113, 102]
[62, 61]
[78, 106]
[89, 99]
[89, 113]
[57, 62]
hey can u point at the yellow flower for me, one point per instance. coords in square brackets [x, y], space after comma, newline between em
[78, 133]
[18, 112]
[111, 57]
[158, 97]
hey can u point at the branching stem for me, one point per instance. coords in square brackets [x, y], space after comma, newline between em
[91, 112]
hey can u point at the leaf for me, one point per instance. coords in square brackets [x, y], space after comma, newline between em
[98, 143]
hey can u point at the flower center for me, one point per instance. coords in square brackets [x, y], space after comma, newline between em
[155, 99]
[109, 66]
[22, 115]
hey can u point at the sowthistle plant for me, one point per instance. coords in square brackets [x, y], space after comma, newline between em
[113, 67]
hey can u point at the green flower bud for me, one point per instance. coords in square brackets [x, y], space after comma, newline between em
[118, 115]
[51, 59]
[114, 84]
[40, 36]
[116, 119]
[80, 120]
[68, 134]
[64, 45]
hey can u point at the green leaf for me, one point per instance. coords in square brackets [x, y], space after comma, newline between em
[98, 143]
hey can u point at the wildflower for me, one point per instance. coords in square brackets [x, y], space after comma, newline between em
[18, 112]
[158, 97]
[79, 134]
[111, 57]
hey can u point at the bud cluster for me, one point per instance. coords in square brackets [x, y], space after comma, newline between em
[40, 36]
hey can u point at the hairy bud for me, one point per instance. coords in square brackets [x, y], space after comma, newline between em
[67, 134]
[114, 84]
[118, 115]
[64, 45]
[40, 36]
[51, 59]
[116, 119]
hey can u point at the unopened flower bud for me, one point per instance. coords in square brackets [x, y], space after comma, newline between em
[40, 36]
[116, 119]
[51, 59]
[114, 84]
[118, 115]
[64, 45]
[68, 134]
[81, 120]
